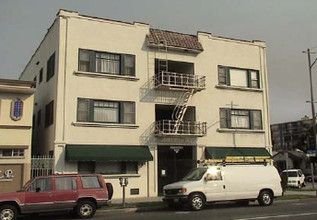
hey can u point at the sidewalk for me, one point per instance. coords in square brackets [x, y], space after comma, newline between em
[138, 200]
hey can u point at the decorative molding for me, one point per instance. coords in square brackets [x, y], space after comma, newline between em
[104, 125]
[116, 176]
[16, 127]
[14, 146]
[230, 130]
[105, 75]
[238, 88]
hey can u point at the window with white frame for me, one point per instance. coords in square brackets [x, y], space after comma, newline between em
[105, 62]
[105, 111]
[11, 152]
[238, 77]
[240, 119]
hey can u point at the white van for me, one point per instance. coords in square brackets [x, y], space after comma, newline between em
[241, 183]
[295, 178]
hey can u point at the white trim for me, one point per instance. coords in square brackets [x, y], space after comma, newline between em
[238, 88]
[115, 176]
[104, 125]
[105, 75]
[232, 130]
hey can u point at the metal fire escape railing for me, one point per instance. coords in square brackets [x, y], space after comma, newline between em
[188, 82]
[185, 128]
[170, 80]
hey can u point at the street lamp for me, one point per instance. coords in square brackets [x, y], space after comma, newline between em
[310, 66]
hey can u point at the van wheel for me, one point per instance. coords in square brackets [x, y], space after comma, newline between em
[197, 201]
[85, 209]
[8, 212]
[265, 198]
[299, 185]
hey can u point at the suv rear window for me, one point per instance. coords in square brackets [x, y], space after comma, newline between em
[90, 182]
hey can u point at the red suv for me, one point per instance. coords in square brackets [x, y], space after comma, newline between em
[81, 193]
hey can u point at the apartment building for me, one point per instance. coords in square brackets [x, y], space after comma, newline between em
[293, 135]
[16, 110]
[127, 100]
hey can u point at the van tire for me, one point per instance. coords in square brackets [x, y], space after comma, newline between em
[265, 198]
[85, 209]
[8, 212]
[299, 185]
[196, 201]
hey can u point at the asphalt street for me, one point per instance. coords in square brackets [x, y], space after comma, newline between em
[290, 210]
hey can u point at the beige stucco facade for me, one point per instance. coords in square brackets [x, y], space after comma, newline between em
[71, 32]
[15, 134]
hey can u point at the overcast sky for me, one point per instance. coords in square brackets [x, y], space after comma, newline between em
[287, 26]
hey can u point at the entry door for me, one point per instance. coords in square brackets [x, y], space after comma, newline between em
[173, 165]
[43, 199]
[215, 188]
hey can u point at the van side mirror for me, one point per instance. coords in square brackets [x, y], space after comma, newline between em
[38, 189]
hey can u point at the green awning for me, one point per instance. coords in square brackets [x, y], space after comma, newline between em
[223, 152]
[107, 153]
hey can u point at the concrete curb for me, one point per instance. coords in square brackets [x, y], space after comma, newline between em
[159, 208]
[128, 210]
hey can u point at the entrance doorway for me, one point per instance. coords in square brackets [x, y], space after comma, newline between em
[174, 162]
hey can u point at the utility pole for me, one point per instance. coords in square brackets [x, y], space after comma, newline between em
[310, 65]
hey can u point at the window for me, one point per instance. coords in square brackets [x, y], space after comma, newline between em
[49, 114]
[102, 111]
[240, 119]
[90, 182]
[50, 67]
[41, 76]
[39, 118]
[86, 167]
[118, 167]
[44, 184]
[103, 62]
[12, 153]
[16, 109]
[66, 183]
[213, 175]
[238, 77]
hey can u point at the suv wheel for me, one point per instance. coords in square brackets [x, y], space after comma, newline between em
[85, 209]
[8, 212]
[196, 202]
[265, 198]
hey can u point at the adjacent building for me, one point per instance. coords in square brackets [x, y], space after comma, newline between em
[293, 135]
[126, 100]
[16, 110]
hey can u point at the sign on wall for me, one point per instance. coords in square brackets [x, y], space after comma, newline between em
[6, 175]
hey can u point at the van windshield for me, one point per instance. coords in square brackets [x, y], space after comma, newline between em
[195, 174]
[290, 174]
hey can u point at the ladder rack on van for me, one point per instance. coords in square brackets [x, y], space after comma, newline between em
[236, 161]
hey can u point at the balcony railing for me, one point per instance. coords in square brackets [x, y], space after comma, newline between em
[165, 79]
[184, 128]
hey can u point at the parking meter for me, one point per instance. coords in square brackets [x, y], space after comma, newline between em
[123, 183]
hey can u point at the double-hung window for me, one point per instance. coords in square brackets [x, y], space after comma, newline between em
[105, 62]
[105, 111]
[238, 77]
[240, 119]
